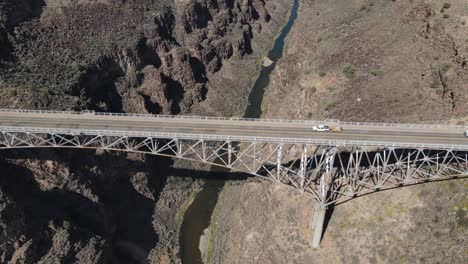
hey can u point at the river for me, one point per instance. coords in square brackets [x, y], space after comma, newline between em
[198, 215]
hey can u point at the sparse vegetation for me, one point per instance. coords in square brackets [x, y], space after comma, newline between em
[376, 72]
[45, 91]
[312, 89]
[445, 67]
[30, 87]
[77, 66]
[388, 211]
[331, 88]
[12, 93]
[213, 226]
[185, 205]
[322, 74]
[367, 6]
[445, 16]
[349, 71]
[307, 72]
[447, 5]
[330, 106]
[434, 85]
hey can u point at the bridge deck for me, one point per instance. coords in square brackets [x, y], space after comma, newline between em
[290, 131]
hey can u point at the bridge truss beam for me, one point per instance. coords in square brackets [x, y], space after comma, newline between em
[332, 174]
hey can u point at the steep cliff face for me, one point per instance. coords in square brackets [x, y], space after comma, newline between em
[145, 56]
[12, 13]
[139, 56]
[74, 206]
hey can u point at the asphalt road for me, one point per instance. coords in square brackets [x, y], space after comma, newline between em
[299, 130]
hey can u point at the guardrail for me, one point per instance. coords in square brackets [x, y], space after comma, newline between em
[188, 136]
[43, 111]
[266, 120]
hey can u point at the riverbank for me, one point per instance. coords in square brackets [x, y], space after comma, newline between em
[207, 241]
[253, 110]
[228, 99]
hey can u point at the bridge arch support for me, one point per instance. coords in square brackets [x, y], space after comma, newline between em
[332, 174]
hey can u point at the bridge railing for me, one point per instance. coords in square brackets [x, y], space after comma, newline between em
[43, 111]
[234, 138]
[151, 116]
[265, 120]
[402, 125]
[194, 117]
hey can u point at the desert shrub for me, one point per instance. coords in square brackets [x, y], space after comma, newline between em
[45, 91]
[30, 87]
[13, 93]
[445, 67]
[322, 74]
[376, 72]
[434, 84]
[447, 5]
[349, 71]
[312, 89]
[76, 66]
[330, 106]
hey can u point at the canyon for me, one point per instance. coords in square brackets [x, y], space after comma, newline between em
[357, 60]
[169, 57]
[353, 60]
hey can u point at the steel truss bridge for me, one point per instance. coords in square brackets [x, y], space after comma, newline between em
[353, 160]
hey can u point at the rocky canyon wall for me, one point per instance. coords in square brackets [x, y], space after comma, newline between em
[134, 56]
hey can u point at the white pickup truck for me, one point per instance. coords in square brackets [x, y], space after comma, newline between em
[321, 128]
[466, 133]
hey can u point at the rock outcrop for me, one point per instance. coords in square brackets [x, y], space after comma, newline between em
[150, 56]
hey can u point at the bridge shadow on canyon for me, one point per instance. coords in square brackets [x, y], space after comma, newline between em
[104, 204]
[111, 195]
